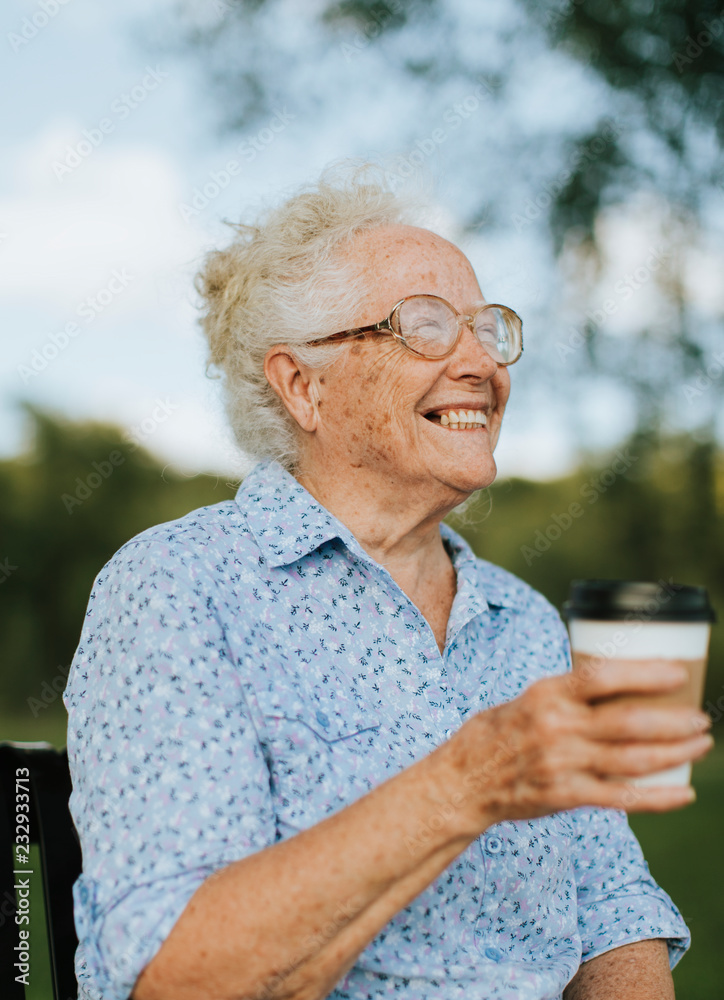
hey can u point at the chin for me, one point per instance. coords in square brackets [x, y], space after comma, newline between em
[471, 479]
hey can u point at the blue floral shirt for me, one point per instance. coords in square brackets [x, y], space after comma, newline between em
[247, 670]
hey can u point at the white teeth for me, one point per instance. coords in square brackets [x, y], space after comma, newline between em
[463, 419]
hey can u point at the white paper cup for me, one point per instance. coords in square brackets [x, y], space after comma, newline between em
[621, 620]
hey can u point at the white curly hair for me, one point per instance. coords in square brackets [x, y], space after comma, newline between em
[286, 280]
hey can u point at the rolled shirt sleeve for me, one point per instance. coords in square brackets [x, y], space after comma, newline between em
[169, 779]
[618, 900]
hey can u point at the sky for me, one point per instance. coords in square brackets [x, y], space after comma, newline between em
[116, 177]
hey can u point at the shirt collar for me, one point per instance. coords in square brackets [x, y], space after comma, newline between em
[480, 577]
[284, 517]
[288, 523]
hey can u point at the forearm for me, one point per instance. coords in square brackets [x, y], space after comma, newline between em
[318, 976]
[290, 920]
[638, 971]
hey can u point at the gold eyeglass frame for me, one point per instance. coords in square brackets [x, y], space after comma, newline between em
[391, 325]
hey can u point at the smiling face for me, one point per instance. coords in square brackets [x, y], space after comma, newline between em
[382, 411]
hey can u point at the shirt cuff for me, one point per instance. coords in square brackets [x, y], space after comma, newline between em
[611, 923]
[116, 945]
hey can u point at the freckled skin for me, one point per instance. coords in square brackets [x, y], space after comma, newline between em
[365, 450]
[398, 444]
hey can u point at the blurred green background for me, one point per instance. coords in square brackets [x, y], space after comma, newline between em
[643, 522]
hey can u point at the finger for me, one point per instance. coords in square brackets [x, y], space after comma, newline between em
[636, 759]
[611, 677]
[623, 794]
[634, 798]
[622, 720]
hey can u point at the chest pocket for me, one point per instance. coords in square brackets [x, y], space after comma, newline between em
[319, 760]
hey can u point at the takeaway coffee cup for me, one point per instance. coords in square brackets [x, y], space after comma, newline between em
[629, 620]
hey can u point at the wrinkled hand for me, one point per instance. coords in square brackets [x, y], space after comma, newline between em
[568, 742]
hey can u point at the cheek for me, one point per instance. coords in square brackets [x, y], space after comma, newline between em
[384, 389]
[375, 399]
[501, 386]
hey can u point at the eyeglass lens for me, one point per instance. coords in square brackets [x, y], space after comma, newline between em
[430, 327]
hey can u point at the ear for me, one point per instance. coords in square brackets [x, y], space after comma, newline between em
[295, 384]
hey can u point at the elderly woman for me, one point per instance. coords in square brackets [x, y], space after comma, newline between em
[319, 748]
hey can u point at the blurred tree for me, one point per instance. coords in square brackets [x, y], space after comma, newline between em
[647, 156]
[69, 503]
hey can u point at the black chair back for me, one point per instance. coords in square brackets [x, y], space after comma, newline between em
[41, 771]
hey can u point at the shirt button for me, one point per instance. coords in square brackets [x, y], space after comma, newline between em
[494, 954]
[322, 719]
[493, 845]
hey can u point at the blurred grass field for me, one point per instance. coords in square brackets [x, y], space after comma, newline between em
[683, 849]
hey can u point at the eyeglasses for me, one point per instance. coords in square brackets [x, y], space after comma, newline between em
[429, 327]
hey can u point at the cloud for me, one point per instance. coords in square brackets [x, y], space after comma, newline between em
[118, 208]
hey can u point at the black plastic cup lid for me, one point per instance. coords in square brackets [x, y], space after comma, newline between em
[624, 600]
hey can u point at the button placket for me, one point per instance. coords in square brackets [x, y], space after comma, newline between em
[492, 850]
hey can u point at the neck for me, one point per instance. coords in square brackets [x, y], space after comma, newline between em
[398, 526]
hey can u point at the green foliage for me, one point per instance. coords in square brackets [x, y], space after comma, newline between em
[666, 58]
[54, 544]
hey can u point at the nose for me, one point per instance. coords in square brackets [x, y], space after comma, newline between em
[471, 349]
